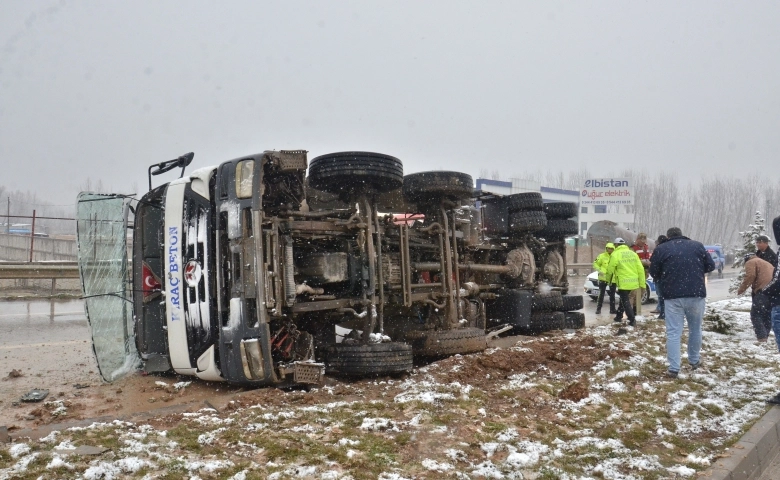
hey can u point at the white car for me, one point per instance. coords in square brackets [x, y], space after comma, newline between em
[592, 288]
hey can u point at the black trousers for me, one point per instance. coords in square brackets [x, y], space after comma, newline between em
[600, 301]
[761, 315]
[625, 305]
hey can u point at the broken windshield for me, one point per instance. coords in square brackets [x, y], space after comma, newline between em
[102, 253]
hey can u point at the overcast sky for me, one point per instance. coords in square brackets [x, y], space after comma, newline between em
[103, 89]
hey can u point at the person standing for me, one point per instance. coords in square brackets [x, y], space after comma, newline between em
[772, 291]
[679, 266]
[600, 265]
[764, 251]
[643, 252]
[758, 273]
[627, 272]
[658, 290]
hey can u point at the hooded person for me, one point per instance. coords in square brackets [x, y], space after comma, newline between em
[600, 265]
[626, 270]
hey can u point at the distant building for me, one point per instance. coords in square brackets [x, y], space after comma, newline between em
[517, 185]
[588, 214]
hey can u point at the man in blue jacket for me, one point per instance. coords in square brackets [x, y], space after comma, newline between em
[679, 266]
[772, 290]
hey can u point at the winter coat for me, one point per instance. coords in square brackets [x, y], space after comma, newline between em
[626, 269]
[643, 251]
[767, 255]
[758, 273]
[679, 266]
[772, 290]
[601, 264]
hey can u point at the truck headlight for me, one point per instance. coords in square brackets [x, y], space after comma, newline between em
[244, 173]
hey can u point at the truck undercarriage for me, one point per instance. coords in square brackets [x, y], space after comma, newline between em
[355, 268]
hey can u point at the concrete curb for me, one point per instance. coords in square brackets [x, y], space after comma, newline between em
[752, 454]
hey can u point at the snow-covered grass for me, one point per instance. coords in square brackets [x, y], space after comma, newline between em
[632, 422]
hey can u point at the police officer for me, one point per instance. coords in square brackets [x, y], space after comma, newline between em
[601, 264]
[626, 270]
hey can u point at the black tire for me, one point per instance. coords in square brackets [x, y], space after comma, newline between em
[645, 296]
[439, 343]
[367, 360]
[511, 306]
[435, 185]
[558, 228]
[524, 201]
[572, 302]
[574, 320]
[527, 221]
[547, 302]
[560, 209]
[546, 321]
[351, 172]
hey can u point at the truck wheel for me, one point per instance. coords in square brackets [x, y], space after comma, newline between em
[558, 228]
[574, 320]
[545, 321]
[368, 360]
[572, 302]
[524, 201]
[547, 302]
[527, 221]
[425, 186]
[560, 209]
[439, 343]
[356, 172]
[511, 306]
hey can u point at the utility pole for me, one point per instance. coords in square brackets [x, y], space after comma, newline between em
[8, 218]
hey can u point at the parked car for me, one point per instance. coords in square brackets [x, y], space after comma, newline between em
[718, 259]
[592, 288]
[270, 270]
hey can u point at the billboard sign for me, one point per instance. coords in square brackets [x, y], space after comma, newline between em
[607, 191]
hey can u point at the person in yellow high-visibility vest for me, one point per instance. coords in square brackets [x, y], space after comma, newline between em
[600, 265]
[626, 270]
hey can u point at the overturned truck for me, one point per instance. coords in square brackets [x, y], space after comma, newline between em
[254, 273]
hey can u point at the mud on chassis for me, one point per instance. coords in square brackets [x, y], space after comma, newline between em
[428, 275]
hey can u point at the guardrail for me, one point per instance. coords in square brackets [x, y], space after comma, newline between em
[579, 266]
[39, 271]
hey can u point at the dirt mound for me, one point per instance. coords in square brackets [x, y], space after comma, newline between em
[563, 355]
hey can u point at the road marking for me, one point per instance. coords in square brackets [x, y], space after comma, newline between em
[31, 345]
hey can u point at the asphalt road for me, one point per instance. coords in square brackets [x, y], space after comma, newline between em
[717, 289]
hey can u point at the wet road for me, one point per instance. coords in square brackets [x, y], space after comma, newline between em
[717, 289]
[48, 342]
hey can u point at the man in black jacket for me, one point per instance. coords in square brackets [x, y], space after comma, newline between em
[772, 290]
[764, 251]
[679, 266]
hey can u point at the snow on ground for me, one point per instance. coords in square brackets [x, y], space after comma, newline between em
[459, 419]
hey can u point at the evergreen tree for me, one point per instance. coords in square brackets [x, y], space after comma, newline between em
[758, 227]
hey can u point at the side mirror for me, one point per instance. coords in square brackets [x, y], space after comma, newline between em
[162, 167]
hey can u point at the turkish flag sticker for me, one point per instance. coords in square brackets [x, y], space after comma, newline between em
[151, 283]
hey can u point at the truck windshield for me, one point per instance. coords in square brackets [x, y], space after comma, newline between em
[102, 254]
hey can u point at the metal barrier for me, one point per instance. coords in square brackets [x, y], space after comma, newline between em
[39, 271]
